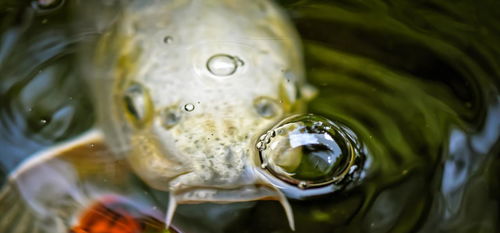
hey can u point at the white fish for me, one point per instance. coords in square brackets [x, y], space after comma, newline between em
[182, 89]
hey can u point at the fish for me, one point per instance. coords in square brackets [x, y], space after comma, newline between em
[182, 90]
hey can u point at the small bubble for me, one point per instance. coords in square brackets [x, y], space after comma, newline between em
[43, 121]
[260, 145]
[223, 64]
[168, 39]
[267, 139]
[318, 123]
[189, 107]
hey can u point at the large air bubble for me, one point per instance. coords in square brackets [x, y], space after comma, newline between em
[307, 151]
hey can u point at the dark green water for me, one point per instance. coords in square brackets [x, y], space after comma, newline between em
[416, 80]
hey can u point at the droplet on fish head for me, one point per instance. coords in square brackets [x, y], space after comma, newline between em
[189, 107]
[266, 107]
[170, 117]
[307, 151]
[138, 104]
[223, 64]
[168, 39]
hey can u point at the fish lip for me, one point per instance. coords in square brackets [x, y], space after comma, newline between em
[243, 193]
[215, 194]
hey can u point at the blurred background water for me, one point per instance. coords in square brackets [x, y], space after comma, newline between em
[416, 80]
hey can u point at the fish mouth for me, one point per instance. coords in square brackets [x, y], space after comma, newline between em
[228, 195]
[225, 195]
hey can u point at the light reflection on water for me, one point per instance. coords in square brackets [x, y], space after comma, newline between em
[419, 86]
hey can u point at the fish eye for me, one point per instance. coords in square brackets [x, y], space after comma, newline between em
[266, 107]
[307, 151]
[137, 104]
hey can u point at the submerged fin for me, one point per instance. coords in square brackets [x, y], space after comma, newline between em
[19, 216]
[16, 216]
[47, 192]
[87, 142]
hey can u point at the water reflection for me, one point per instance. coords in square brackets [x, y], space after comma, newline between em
[464, 186]
[417, 81]
[39, 91]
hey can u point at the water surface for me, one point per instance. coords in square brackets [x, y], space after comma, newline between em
[416, 80]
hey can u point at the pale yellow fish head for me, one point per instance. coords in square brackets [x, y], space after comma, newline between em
[190, 87]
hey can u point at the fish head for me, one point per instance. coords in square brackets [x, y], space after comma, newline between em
[192, 84]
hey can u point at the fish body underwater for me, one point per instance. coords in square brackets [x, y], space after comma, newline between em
[183, 90]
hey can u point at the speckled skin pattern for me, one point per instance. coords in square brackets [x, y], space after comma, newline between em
[208, 154]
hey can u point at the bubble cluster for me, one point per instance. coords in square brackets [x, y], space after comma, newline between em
[307, 151]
